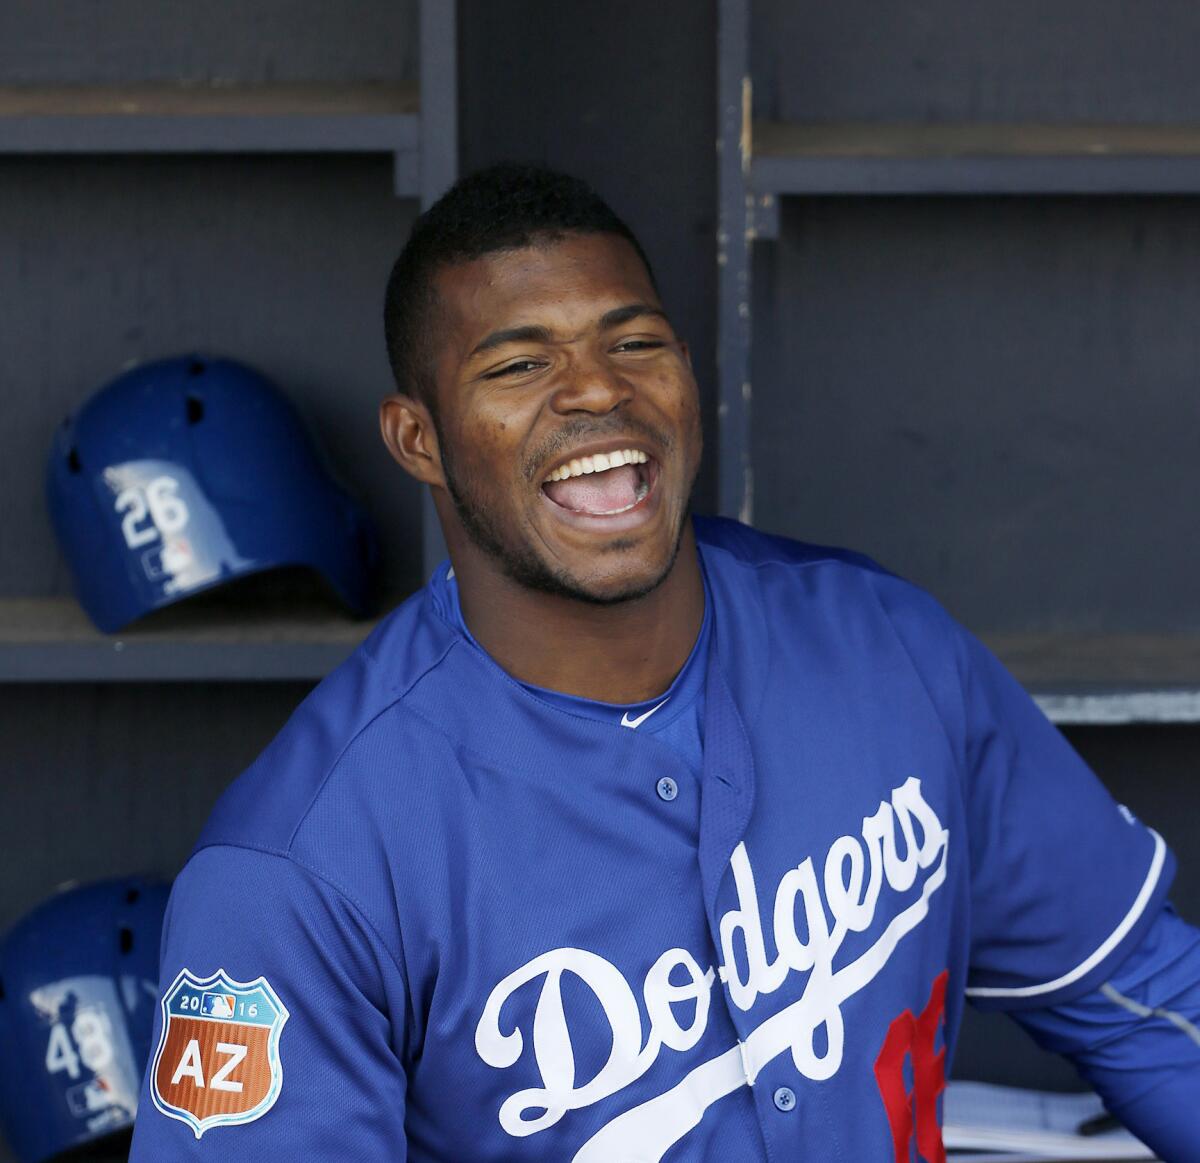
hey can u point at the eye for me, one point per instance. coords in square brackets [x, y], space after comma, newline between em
[638, 345]
[519, 367]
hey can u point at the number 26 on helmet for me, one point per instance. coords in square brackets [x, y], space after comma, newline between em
[186, 473]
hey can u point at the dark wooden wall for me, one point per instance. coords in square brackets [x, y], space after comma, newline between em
[248, 41]
[994, 396]
[1055, 61]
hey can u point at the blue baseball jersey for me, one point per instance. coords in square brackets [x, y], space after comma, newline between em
[443, 918]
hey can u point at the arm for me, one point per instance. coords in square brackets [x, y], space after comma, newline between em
[332, 1086]
[1136, 1038]
[1065, 886]
[1065, 882]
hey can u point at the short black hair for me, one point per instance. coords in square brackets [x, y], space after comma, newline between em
[503, 207]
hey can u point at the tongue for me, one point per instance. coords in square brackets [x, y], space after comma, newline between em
[598, 492]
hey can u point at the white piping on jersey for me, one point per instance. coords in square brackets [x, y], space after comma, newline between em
[1135, 1007]
[626, 721]
[1114, 939]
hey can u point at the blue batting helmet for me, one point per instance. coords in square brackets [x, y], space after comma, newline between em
[79, 979]
[185, 473]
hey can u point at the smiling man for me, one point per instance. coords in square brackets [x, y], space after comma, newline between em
[557, 422]
[634, 837]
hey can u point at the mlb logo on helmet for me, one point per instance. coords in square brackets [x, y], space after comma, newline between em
[217, 1062]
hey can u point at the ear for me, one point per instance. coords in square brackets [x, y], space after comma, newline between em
[409, 433]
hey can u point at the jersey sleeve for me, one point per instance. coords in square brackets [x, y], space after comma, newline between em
[1064, 881]
[280, 1023]
[1136, 1039]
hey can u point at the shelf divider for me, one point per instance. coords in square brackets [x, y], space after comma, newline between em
[175, 119]
[1100, 678]
[1107, 678]
[975, 158]
[51, 640]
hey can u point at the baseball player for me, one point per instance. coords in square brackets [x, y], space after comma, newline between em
[634, 837]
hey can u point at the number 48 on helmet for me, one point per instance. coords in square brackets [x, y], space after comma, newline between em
[78, 994]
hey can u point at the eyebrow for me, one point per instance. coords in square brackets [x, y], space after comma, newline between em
[530, 334]
[619, 316]
[534, 333]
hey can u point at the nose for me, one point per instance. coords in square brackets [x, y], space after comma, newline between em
[592, 385]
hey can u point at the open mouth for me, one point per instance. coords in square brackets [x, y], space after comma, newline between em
[604, 484]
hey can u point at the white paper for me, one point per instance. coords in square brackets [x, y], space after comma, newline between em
[1029, 1125]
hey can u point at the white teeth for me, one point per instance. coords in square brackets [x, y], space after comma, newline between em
[600, 462]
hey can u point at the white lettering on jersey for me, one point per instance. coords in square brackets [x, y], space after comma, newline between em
[852, 878]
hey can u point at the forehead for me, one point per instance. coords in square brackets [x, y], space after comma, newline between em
[562, 284]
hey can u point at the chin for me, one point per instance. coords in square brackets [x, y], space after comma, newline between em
[620, 580]
[623, 589]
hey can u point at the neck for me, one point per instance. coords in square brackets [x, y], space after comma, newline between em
[622, 653]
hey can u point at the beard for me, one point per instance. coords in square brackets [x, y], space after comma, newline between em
[518, 559]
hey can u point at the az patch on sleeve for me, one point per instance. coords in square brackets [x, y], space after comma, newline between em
[217, 1062]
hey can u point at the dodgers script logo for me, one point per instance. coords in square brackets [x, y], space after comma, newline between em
[855, 870]
[217, 1062]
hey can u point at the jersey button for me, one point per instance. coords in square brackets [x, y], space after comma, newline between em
[785, 1099]
[667, 788]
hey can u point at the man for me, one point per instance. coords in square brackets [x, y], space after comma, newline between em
[633, 838]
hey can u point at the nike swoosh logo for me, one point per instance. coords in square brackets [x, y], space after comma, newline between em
[626, 721]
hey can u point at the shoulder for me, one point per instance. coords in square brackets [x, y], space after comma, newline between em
[779, 598]
[823, 574]
[750, 548]
[345, 727]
